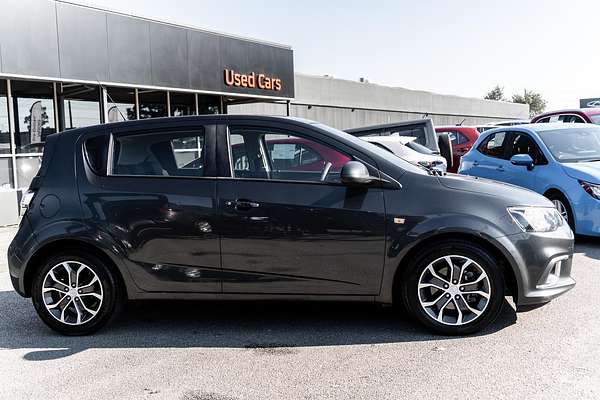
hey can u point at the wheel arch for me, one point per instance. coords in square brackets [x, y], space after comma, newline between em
[507, 267]
[60, 245]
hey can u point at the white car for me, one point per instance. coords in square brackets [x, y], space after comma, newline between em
[406, 148]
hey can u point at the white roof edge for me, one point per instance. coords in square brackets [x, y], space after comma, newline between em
[175, 24]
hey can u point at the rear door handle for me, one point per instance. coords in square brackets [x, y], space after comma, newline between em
[242, 204]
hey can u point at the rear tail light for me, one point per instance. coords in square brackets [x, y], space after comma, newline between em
[26, 199]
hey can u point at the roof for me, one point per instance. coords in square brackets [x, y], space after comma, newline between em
[587, 111]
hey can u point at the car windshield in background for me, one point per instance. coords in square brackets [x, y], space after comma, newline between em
[573, 145]
[595, 119]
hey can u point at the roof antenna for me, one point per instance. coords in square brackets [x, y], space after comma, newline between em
[461, 122]
[425, 116]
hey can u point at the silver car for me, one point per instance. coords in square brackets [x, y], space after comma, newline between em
[409, 150]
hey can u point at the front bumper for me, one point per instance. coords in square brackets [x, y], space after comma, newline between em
[542, 265]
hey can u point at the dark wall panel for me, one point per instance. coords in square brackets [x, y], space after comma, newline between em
[83, 42]
[52, 39]
[28, 37]
[204, 55]
[128, 50]
[169, 53]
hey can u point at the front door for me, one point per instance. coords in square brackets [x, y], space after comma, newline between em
[157, 200]
[289, 226]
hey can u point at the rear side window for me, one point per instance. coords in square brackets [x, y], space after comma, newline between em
[493, 145]
[96, 151]
[174, 154]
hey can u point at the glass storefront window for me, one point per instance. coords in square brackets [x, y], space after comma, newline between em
[153, 103]
[182, 104]
[120, 104]
[27, 168]
[4, 124]
[208, 104]
[34, 114]
[6, 174]
[80, 105]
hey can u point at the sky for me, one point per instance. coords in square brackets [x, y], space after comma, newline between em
[460, 47]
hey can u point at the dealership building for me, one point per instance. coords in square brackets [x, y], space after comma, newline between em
[64, 66]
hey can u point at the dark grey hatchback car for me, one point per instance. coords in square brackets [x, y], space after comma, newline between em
[252, 208]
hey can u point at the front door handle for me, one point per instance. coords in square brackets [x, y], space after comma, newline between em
[500, 168]
[242, 204]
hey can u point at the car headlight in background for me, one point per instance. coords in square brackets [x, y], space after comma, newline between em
[536, 219]
[591, 189]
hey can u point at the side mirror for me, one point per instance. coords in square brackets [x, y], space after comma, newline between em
[355, 173]
[524, 160]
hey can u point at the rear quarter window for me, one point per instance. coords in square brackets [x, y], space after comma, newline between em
[96, 153]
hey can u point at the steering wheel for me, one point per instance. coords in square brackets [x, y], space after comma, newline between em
[325, 171]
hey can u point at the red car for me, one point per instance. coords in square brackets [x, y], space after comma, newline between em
[577, 115]
[462, 138]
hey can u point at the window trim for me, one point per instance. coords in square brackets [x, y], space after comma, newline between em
[310, 137]
[157, 131]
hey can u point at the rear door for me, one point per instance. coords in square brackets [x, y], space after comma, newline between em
[492, 158]
[156, 199]
[290, 227]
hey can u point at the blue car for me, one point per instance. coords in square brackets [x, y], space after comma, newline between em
[560, 161]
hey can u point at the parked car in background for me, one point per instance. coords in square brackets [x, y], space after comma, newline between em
[421, 130]
[511, 122]
[560, 161]
[409, 150]
[575, 115]
[116, 212]
[462, 139]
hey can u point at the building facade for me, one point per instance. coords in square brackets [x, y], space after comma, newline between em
[64, 66]
[346, 104]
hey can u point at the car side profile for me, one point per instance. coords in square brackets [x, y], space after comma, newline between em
[560, 161]
[462, 139]
[575, 115]
[203, 207]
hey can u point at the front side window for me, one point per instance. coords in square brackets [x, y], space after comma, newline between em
[595, 119]
[159, 154]
[456, 137]
[493, 145]
[524, 144]
[571, 118]
[277, 155]
[543, 120]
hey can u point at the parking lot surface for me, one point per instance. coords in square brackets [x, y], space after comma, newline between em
[218, 351]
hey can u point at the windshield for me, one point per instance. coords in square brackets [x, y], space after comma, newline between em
[388, 156]
[595, 119]
[573, 145]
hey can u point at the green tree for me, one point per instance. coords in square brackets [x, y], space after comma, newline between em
[496, 93]
[536, 102]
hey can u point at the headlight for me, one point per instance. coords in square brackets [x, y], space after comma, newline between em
[591, 189]
[536, 219]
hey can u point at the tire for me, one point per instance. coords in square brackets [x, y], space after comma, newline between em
[559, 199]
[462, 311]
[95, 300]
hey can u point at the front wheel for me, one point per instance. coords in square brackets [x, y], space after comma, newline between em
[75, 293]
[564, 208]
[454, 288]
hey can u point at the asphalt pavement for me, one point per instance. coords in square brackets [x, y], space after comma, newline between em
[219, 351]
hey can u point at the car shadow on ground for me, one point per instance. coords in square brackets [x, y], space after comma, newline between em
[261, 326]
[588, 245]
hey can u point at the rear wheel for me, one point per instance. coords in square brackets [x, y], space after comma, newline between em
[75, 293]
[454, 288]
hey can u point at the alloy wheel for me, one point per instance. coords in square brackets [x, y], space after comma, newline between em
[561, 209]
[72, 293]
[454, 290]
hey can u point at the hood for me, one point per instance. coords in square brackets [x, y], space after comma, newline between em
[585, 171]
[513, 195]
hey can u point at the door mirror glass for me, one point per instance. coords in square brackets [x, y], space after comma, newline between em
[524, 160]
[355, 173]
